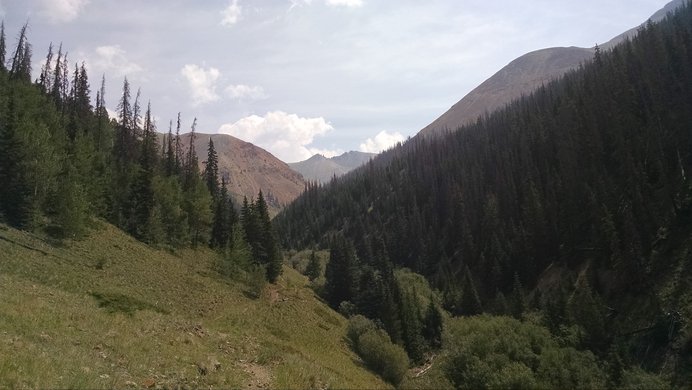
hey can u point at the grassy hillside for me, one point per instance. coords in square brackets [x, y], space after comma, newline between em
[109, 311]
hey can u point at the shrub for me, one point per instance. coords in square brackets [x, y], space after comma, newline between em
[382, 356]
[501, 352]
[357, 326]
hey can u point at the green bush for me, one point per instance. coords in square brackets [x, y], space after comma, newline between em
[357, 326]
[501, 352]
[382, 356]
[376, 349]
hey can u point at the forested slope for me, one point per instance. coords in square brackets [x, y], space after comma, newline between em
[577, 192]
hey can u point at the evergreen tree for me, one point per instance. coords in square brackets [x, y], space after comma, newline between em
[124, 138]
[314, 268]
[170, 157]
[211, 170]
[70, 213]
[178, 151]
[101, 115]
[3, 47]
[21, 60]
[432, 325]
[191, 167]
[271, 257]
[14, 188]
[411, 327]
[341, 272]
[143, 191]
[45, 79]
[224, 218]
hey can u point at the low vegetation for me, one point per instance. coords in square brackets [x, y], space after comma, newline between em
[110, 312]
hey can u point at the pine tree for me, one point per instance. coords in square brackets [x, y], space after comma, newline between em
[178, 151]
[101, 115]
[211, 170]
[341, 272]
[123, 137]
[142, 190]
[314, 268]
[432, 325]
[191, 168]
[272, 254]
[3, 47]
[45, 79]
[170, 152]
[21, 60]
[222, 227]
[411, 327]
[14, 188]
[70, 203]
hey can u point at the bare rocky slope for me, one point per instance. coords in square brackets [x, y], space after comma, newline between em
[522, 76]
[249, 169]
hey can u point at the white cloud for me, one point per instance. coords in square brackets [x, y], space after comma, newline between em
[202, 83]
[231, 15]
[62, 11]
[345, 3]
[2, 10]
[245, 92]
[113, 60]
[287, 136]
[382, 141]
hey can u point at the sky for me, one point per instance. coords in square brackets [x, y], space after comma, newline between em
[299, 77]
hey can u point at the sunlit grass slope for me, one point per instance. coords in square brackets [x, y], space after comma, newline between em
[109, 312]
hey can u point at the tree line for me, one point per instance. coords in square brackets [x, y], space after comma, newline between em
[64, 161]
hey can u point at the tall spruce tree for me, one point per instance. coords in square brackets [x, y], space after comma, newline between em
[211, 170]
[45, 79]
[170, 160]
[224, 218]
[15, 203]
[21, 60]
[271, 256]
[314, 269]
[3, 46]
[341, 272]
[142, 190]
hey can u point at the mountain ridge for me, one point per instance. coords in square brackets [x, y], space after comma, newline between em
[322, 169]
[523, 75]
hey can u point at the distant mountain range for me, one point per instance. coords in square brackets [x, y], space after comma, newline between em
[322, 169]
[521, 77]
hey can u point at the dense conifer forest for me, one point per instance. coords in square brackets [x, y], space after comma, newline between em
[64, 162]
[569, 208]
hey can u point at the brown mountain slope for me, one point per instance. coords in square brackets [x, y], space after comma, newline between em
[249, 169]
[522, 76]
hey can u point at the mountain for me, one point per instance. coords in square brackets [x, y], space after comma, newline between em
[322, 169]
[249, 169]
[571, 206]
[521, 77]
